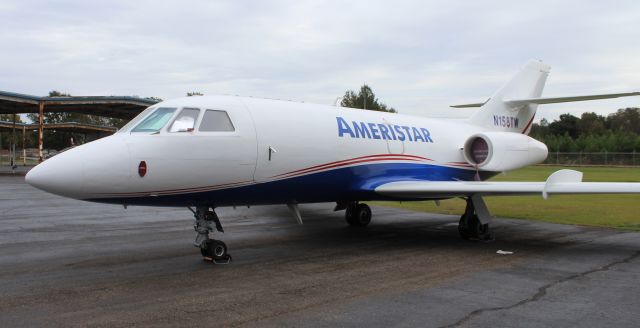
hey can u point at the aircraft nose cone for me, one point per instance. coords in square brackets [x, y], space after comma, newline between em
[89, 171]
[61, 175]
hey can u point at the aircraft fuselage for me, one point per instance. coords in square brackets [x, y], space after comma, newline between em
[278, 152]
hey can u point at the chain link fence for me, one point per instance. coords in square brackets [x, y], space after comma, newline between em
[598, 159]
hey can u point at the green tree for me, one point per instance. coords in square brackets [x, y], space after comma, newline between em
[9, 118]
[365, 98]
[6, 135]
[156, 99]
[626, 120]
[568, 124]
[590, 123]
[540, 131]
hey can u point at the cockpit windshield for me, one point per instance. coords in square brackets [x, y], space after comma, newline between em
[136, 120]
[155, 121]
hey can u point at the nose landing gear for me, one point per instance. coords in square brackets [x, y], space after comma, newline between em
[211, 249]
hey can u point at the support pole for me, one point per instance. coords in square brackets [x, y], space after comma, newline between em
[24, 145]
[40, 130]
[12, 147]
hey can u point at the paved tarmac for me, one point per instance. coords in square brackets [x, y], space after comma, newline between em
[76, 264]
[19, 169]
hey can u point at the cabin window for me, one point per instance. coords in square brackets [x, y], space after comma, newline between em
[216, 121]
[186, 120]
[155, 121]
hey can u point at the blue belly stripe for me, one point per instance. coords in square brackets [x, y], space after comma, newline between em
[342, 184]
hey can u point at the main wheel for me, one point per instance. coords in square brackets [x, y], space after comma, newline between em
[359, 216]
[349, 214]
[215, 249]
[463, 230]
[472, 228]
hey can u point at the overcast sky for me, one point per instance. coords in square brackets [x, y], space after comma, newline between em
[418, 56]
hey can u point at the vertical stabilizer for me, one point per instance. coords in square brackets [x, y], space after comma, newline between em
[498, 115]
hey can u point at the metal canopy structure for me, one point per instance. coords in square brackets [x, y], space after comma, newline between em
[109, 106]
[72, 126]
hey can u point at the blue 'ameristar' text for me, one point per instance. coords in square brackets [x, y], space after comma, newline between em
[382, 131]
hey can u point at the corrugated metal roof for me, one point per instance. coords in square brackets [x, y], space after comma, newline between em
[109, 106]
[73, 126]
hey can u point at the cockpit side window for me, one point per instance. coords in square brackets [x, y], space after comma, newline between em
[155, 121]
[186, 120]
[216, 121]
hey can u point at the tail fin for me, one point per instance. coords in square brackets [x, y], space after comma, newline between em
[500, 115]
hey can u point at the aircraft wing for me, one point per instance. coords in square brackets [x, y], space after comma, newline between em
[553, 100]
[560, 182]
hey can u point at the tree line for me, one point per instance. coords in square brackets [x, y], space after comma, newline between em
[616, 132]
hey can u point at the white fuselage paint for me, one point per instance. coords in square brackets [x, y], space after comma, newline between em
[273, 141]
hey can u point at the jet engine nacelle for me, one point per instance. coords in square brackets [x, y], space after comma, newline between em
[503, 151]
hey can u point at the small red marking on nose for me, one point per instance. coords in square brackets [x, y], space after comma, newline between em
[142, 168]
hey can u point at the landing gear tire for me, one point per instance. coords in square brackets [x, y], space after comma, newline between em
[470, 227]
[211, 249]
[473, 229]
[358, 215]
[215, 251]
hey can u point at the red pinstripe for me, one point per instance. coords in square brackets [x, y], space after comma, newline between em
[312, 169]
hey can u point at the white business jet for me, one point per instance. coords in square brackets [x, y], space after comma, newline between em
[209, 152]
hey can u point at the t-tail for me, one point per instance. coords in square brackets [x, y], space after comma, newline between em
[498, 114]
[513, 107]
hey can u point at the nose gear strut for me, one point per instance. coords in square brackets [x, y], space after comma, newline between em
[211, 249]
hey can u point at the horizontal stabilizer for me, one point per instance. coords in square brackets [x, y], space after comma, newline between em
[469, 105]
[553, 100]
[560, 182]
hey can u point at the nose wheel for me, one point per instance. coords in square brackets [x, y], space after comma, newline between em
[212, 250]
[215, 251]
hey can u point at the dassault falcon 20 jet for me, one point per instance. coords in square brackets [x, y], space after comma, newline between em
[209, 152]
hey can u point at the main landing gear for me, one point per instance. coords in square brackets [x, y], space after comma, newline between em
[358, 215]
[211, 249]
[474, 223]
